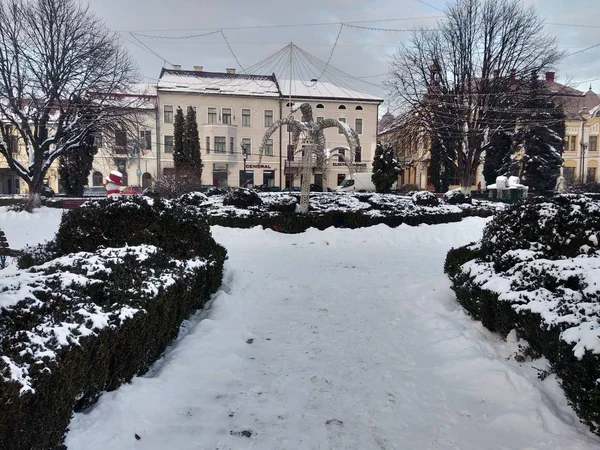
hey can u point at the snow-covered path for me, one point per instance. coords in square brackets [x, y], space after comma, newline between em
[341, 339]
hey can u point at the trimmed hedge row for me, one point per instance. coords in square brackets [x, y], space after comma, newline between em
[518, 246]
[126, 288]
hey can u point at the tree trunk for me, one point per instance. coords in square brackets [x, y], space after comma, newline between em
[305, 184]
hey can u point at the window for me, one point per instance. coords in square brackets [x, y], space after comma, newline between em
[97, 179]
[269, 148]
[591, 175]
[341, 119]
[120, 142]
[168, 113]
[245, 117]
[358, 126]
[98, 140]
[290, 152]
[219, 144]
[359, 108]
[320, 106]
[212, 115]
[268, 117]
[231, 145]
[320, 119]
[569, 174]
[146, 139]
[340, 178]
[207, 144]
[342, 153]
[13, 143]
[195, 111]
[593, 144]
[226, 116]
[247, 178]
[168, 144]
[358, 155]
[571, 144]
[247, 146]
[341, 107]
[122, 167]
[146, 180]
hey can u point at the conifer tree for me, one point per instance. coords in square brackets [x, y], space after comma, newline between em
[75, 166]
[193, 160]
[179, 157]
[386, 168]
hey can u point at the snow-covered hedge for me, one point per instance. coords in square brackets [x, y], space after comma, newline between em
[95, 307]
[537, 270]
[456, 197]
[346, 210]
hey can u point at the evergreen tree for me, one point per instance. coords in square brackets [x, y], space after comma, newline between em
[179, 157]
[440, 168]
[75, 166]
[496, 153]
[386, 168]
[193, 160]
[540, 137]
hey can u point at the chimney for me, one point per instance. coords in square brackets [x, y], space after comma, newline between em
[549, 77]
[496, 73]
[176, 66]
[230, 71]
[513, 76]
[198, 68]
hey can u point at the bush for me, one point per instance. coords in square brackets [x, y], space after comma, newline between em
[425, 198]
[534, 270]
[456, 197]
[242, 198]
[407, 187]
[106, 295]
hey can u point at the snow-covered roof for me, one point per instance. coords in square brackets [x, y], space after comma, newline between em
[323, 90]
[215, 83]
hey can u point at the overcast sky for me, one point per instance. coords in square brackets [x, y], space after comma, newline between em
[359, 52]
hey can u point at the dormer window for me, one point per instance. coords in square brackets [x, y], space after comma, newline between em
[358, 108]
[341, 107]
[320, 106]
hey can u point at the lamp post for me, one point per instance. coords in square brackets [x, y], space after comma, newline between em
[585, 115]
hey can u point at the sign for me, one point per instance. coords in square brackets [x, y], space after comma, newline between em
[258, 166]
[337, 164]
[138, 172]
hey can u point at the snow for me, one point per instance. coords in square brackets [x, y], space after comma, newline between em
[339, 339]
[218, 84]
[322, 89]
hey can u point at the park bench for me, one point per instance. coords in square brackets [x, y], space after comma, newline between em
[5, 250]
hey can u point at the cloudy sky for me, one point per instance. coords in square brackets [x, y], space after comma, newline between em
[159, 32]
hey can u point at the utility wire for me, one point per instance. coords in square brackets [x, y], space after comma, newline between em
[332, 50]
[190, 36]
[231, 50]
[431, 6]
[149, 49]
[583, 50]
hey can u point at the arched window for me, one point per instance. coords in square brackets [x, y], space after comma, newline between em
[97, 179]
[358, 108]
[287, 105]
[320, 106]
[146, 180]
[341, 107]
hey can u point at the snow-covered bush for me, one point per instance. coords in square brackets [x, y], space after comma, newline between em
[425, 198]
[192, 199]
[105, 299]
[536, 270]
[280, 202]
[242, 198]
[456, 197]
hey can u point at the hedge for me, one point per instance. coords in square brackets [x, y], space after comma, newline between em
[534, 271]
[101, 309]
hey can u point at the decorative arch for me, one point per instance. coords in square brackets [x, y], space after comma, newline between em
[97, 179]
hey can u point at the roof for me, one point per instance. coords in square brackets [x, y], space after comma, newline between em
[217, 83]
[573, 100]
[300, 89]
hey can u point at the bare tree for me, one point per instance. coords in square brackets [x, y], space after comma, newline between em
[62, 76]
[462, 79]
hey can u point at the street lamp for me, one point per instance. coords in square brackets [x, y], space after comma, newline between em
[585, 115]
